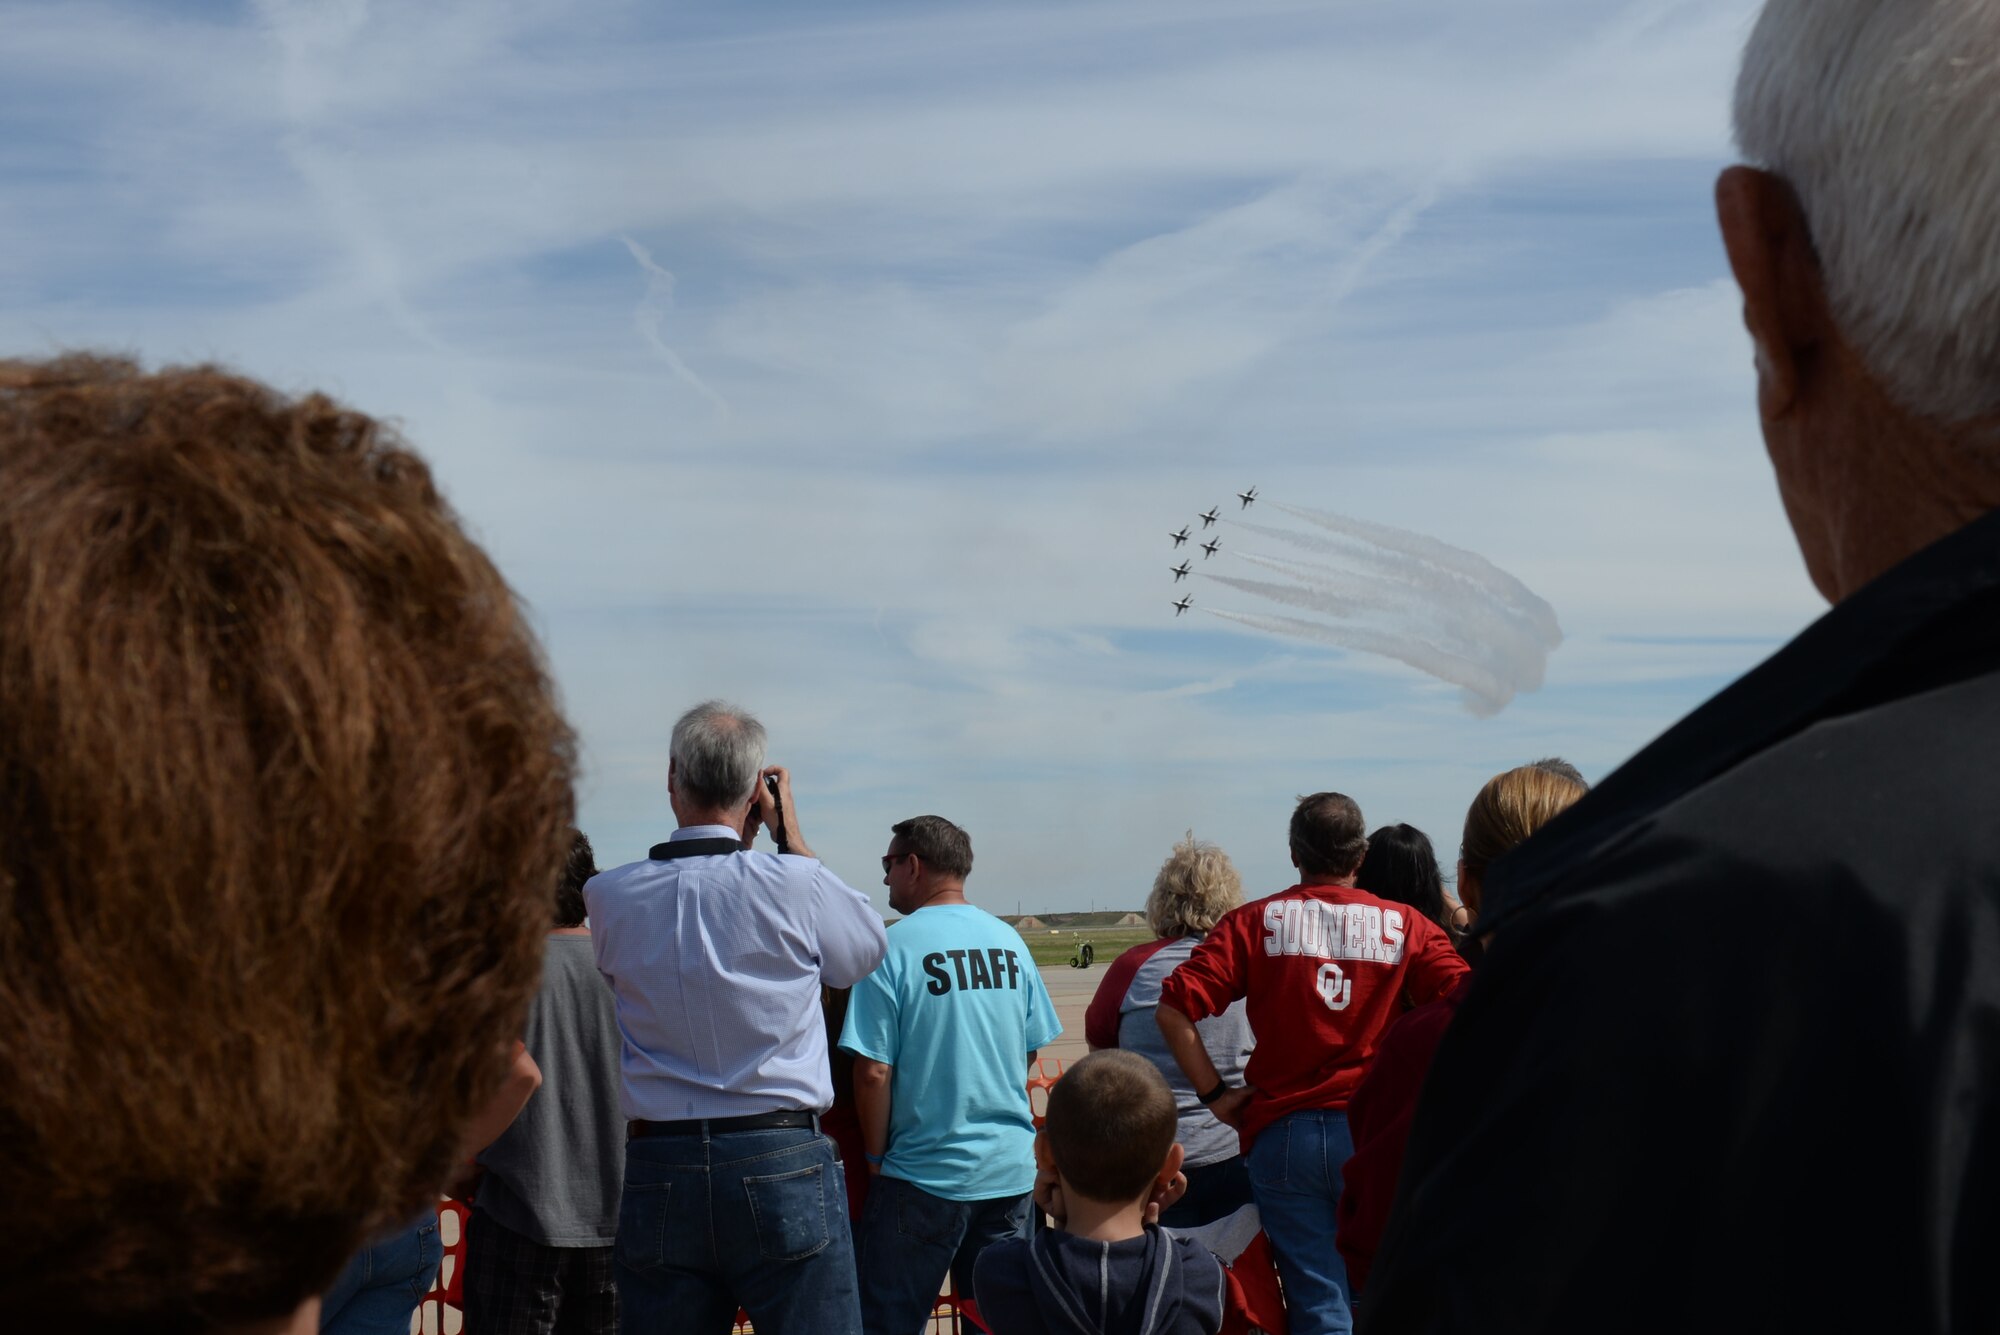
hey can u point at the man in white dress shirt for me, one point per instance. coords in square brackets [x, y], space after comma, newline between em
[716, 955]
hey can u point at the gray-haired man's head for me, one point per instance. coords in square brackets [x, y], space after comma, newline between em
[718, 752]
[1881, 115]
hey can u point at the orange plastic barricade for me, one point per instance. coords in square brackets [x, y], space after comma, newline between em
[1039, 1085]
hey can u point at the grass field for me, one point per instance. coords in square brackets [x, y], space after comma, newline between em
[1108, 943]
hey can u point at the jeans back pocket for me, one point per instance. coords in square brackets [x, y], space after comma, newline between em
[930, 1219]
[789, 1211]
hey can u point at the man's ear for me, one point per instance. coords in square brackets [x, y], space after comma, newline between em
[1770, 248]
[1045, 1158]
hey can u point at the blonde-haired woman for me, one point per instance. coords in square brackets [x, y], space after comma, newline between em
[1196, 885]
[1508, 809]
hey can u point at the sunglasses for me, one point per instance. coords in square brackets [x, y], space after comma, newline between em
[891, 859]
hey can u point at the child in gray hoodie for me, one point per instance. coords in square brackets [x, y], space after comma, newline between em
[1106, 1154]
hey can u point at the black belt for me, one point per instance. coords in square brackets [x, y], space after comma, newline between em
[719, 1126]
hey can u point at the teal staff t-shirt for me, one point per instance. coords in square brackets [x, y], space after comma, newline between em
[955, 1007]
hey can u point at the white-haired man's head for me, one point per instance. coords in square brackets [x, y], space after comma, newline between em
[1866, 240]
[1884, 117]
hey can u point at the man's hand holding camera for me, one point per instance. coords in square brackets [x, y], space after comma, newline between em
[773, 810]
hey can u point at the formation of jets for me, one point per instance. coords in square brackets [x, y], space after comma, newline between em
[1209, 518]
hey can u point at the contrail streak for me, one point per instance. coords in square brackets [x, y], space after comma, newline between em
[1402, 595]
[1444, 556]
[1384, 239]
[1461, 614]
[1484, 693]
[650, 314]
[1312, 601]
[1364, 590]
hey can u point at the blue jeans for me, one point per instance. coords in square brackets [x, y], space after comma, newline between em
[910, 1240]
[756, 1219]
[384, 1281]
[1295, 1175]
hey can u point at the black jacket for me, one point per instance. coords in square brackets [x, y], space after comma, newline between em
[1733, 1060]
[1057, 1284]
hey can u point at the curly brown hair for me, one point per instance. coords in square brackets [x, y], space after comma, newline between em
[282, 792]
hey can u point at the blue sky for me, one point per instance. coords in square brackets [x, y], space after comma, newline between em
[954, 310]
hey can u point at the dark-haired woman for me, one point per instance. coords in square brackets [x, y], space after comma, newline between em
[1401, 865]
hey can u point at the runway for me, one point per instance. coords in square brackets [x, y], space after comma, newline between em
[1071, 990]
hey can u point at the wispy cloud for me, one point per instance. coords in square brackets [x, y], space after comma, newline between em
[953, 303]
[650, 315]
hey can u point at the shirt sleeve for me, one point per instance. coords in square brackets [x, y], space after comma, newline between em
[1043, 1026]
[872, 1030]
[1435, 964]
[1100, 1021]
[851, 938]
[1217, 974]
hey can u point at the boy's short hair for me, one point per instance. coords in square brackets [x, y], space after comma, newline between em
[283, 789]
[1110, 1124]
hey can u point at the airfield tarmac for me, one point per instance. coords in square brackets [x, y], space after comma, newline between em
[1071, 990]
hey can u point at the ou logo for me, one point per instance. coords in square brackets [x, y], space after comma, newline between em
[1336, 989]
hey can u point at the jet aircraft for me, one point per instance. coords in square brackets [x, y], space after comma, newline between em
[1213, 513]
[1246, 497]
[1181, 536]
[1180, 571]
[1211, 548]
[1183, 605]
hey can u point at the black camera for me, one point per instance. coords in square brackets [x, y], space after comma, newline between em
[777, 820]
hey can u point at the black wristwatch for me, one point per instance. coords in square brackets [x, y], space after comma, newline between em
[1221, 1087]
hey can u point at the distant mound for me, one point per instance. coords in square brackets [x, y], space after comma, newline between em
[1075, 922]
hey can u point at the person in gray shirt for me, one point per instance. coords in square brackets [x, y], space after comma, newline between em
[1195, 886]
[539, 1244]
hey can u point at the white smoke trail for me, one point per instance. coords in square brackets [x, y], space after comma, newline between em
[1356, 553]
[1448, 610]
[649, 315]
[1443, 556]
[1309, 599]
[1370, 591]
[1484, 693]
[1402, 595]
